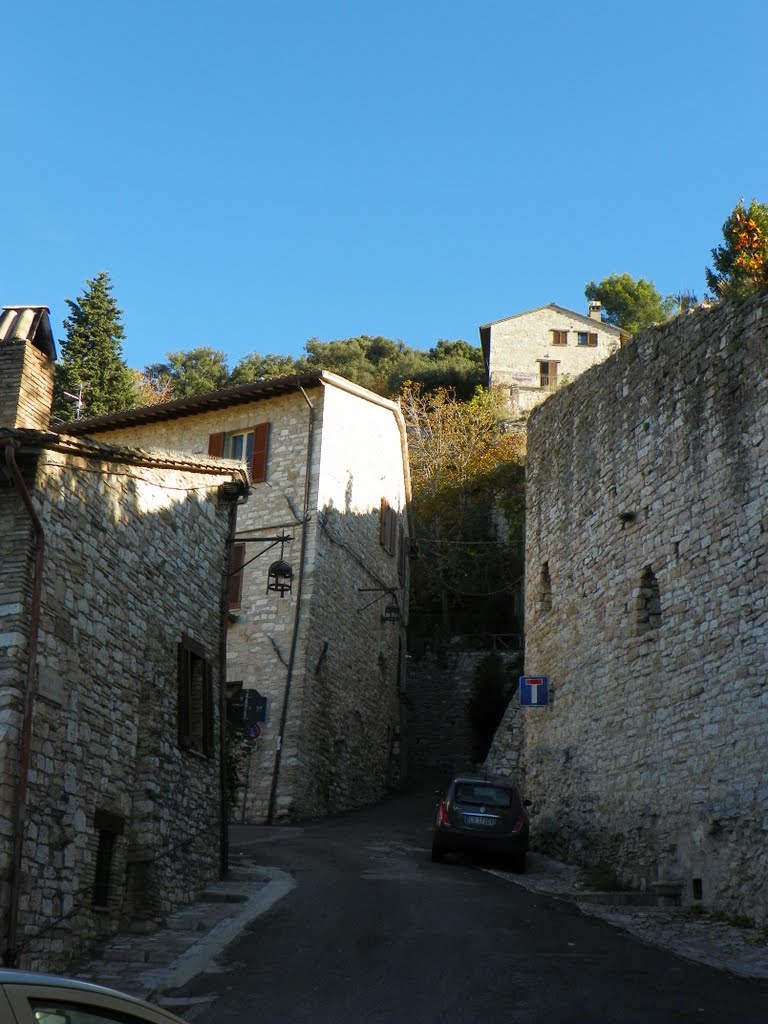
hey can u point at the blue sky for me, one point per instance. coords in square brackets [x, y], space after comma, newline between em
[254, 173]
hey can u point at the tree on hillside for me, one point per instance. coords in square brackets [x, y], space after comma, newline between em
[91, 366]
[254, 367]
[194, 372]
[368, 361]
[628, 303]
[741, 263]
[468, 505]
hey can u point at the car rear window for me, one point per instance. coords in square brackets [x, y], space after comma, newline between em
[491, 796]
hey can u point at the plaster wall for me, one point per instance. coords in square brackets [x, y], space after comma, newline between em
[647, 608]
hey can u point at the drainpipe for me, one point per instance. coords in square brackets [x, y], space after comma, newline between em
[10, 953]
[296, 619]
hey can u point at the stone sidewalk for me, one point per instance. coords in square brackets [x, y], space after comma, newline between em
[151, 965]
[700, 938]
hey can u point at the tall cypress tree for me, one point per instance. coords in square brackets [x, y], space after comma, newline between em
[92, 365]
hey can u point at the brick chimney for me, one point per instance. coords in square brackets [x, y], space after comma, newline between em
[27, 357]
[595, 305]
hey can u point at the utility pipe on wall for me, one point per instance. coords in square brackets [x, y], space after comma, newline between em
[10, 952]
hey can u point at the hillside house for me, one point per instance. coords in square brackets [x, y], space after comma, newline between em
[113, 569]
[529, 355]
[319, 581]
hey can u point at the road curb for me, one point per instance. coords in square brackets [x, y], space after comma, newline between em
[195, 959]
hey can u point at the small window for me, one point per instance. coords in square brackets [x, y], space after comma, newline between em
[388, 527]
[559, 337]
[250, 446]
[109, 827]
[587, 338]
[195, 699]
[647, 603]
[545, 591]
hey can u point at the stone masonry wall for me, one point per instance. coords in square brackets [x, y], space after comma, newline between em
[342, 733]
[134, 560]
[647, 608]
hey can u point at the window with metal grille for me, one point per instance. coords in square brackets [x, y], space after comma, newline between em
[109, 827]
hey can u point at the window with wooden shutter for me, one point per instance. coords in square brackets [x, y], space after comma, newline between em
[559, 337]
[235, 585]
[216, 444]
[195, 707]
[388, 527]
[587, 338]
[260, 453]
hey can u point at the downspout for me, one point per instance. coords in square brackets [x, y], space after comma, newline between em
[10, 953]
[296, 619]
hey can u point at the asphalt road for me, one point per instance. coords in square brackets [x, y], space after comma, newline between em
[374, 932]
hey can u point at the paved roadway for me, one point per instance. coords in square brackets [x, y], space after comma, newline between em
[374, 932]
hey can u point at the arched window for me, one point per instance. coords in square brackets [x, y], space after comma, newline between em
[545, 589]
[647, 603]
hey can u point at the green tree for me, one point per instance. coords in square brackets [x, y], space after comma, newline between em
[91, 366]
[467, 478]
[254, 367]
[628, 303]
[741, 263]
[194, 372]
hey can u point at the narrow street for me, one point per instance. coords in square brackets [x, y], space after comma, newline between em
[374, 932]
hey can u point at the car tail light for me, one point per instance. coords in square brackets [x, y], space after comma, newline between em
[519, 822]
[442, 816]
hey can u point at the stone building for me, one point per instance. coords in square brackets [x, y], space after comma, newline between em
[530, 355]
[113, 567]
[647, 608]
[316, 644]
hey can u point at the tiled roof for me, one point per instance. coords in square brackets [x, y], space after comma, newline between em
[209, 402]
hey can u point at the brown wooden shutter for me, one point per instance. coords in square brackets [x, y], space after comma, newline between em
[216, 444]
[235, 585]
[383, 534]
[260, 453]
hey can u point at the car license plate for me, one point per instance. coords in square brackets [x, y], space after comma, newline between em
[477, 819]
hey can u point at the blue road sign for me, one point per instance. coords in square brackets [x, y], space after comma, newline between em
[534, 691]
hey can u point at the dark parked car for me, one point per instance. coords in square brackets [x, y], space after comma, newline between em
[27, 998]
[483, 816]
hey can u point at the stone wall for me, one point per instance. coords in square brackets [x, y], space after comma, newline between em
[135, 556]
[647, 608]
[440, 686]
